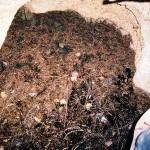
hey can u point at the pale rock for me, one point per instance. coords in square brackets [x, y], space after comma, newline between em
[88, 106]
[3, 95]
[104, 119]
[78, 54]
[108, 143]
[61, 109]
[32, 94]
[38, 120]
[56, 100]
[73, 79]
[63, 102]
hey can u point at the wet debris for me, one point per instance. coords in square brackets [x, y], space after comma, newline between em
[2, 67]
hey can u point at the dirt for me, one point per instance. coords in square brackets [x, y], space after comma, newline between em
[66, 83]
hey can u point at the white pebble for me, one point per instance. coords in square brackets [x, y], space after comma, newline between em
[61, 45]
[74, 79]
[74, 76]
[104, 119]
[88, 106]
[61, 109]
[93, 82]
[56, 101]
[78, 54]
[108, 143]
[3, 95]
[63, 102]
[32, 94]
[38, 120]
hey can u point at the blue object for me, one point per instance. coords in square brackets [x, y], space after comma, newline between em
[143, 141]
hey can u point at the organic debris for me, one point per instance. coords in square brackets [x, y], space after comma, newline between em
[67, 85]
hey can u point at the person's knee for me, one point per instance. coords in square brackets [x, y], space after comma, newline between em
[143, 141]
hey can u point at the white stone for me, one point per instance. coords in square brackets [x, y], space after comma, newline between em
[74, 79]
[38, 120]
[88, 106]
[74, 76]
[78, 54]
[3, 95]
[108, 143]
[63, 102]
[32, 94]
[104, 119]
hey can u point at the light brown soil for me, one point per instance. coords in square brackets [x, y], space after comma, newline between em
[41, 108]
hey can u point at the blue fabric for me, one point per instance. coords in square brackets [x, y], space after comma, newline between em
[143, 141]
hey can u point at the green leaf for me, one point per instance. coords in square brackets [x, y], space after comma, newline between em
[64, 51]
[58, 25]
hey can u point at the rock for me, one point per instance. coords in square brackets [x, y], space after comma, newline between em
[63, 102]
[3, 95]
[61, 109]
[108, 81]
[32, 94]
[73, 79]
[74, 76]
[88, 106]
[56, 101]
[38, 120]
[78, 54]
[108, 143]
[104, 120]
